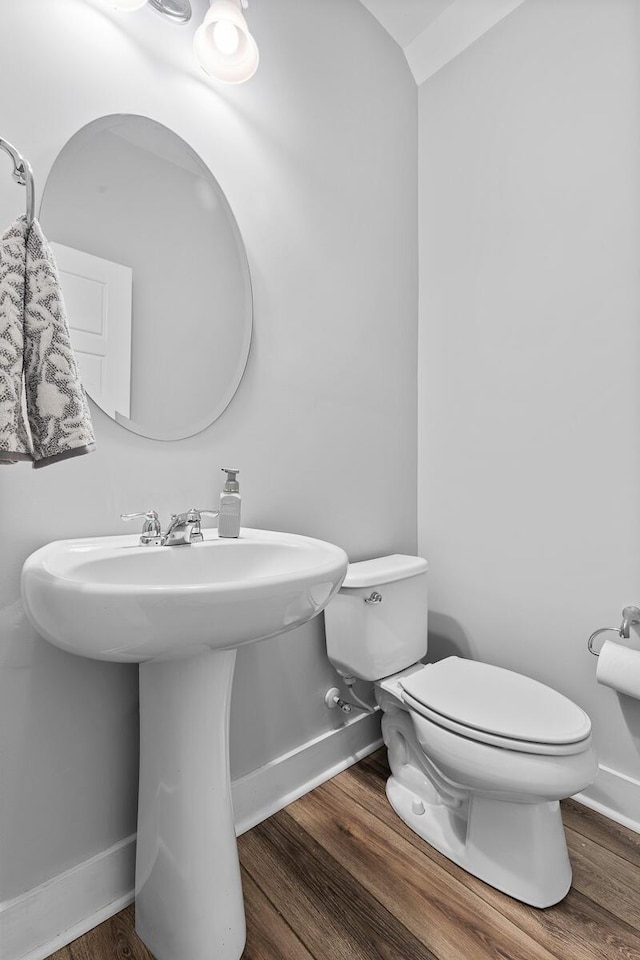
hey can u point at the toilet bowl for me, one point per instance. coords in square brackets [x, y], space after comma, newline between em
[479, 756]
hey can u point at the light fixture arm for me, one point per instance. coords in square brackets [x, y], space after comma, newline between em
[177, 11]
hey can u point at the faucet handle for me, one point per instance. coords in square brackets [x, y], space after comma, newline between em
[205, 512]
[194, 516]
[151, 529]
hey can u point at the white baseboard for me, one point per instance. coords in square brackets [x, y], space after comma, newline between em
[46, 918]
[271, 787]
[615, 795]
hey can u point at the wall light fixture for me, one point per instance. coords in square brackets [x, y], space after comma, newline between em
[222, 45]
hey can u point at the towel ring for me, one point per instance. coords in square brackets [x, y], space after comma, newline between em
[596, 633]
[22, 174]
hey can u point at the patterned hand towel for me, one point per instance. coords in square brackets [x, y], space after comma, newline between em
[57, 407]
[14, 438]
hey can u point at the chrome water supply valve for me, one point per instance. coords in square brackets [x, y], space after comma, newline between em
[332, 699]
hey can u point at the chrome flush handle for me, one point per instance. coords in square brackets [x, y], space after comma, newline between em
[374, 598]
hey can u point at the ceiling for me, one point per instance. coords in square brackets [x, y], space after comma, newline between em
[406, 19]
[433, 32]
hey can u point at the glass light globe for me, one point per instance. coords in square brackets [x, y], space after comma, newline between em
[223, 46]
[225, 36]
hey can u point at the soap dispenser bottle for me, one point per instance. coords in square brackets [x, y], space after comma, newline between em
[230, 500]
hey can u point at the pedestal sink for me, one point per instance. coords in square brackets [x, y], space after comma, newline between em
[181, 612]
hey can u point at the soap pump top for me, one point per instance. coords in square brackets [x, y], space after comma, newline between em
[231, 485]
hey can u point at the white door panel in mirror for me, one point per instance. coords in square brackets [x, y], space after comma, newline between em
[97, 294]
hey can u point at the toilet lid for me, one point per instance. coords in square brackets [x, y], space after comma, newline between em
[497, 701]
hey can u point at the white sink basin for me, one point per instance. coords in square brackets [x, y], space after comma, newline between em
[109, 598]
[181, 612]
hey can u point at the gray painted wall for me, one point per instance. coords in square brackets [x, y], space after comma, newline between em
[317, 157]
[529, 395]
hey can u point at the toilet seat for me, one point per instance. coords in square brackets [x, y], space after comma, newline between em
[507, 743]
[495, 706]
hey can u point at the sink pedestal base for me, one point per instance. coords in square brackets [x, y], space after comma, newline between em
[189, 902]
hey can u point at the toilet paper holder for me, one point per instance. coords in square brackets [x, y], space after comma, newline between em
[629, 615]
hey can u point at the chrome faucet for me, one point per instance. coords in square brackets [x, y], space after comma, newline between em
[185, 527]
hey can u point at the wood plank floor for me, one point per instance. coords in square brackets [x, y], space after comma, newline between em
[338, 876]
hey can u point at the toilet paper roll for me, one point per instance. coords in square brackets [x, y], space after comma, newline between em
[619, 668]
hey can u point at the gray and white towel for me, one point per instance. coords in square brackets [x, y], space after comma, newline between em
[15, 443]
[56, 405]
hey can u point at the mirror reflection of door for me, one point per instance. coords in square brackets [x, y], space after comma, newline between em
[126, 193]
[97, 295]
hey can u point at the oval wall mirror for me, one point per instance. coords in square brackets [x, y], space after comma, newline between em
[154, 274]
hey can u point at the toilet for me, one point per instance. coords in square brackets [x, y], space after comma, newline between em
[480, 756]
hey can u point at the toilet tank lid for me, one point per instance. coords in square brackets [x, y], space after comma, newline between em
[373, 573]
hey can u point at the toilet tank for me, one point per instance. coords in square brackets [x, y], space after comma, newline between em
[375, 639]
